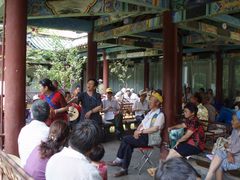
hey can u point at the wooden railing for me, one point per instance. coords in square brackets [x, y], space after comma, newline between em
[10, 170]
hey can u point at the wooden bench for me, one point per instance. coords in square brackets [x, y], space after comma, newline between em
[10, 170]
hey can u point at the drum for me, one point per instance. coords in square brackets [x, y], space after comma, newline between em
[74, 112]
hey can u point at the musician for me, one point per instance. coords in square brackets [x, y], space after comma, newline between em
[91, 103]
[56, 101]
[112, 113]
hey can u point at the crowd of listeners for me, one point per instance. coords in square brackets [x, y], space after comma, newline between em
[50, 147]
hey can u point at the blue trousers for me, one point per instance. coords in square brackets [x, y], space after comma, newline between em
[127, 146]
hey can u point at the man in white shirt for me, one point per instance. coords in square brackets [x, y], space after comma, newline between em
[71, 163]
[152, 124]
[140, 107]
[129, 96]
[36, 131]
[111, 110]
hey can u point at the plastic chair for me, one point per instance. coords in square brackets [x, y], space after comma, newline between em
[146, 158]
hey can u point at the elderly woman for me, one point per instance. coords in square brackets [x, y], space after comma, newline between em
[192, 142]
[147, 133]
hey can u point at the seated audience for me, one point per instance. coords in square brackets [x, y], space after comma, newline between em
[120, 95]
[147, 134]
[72, 163]
[211, 96]
[202, 111]
[36, 131]
[192, 142]
[95, 156]
[176, 168]
[111, 110]
[187, 95]
[211, 109]
[129, 96]
[37, 161]
[140, 107]
[228, 159]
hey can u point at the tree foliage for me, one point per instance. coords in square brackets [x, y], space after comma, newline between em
[63, 65]
[120, 69]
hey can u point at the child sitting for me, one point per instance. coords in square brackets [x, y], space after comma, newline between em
[228, 159]
[95, 156]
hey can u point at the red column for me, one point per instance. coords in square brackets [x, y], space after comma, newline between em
[92, 57]
[100, 70]
[169, 74]
[15, 71]
[146, 74]
[219, 77]
[178, 76]
[105, 71]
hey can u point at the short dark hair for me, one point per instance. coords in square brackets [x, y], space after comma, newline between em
[176, 168]
[95, 82]
[191, 107]
[48, 83]
[198, 97]
[84, 137]
[40, 110]
[97, 153]
[57, 138]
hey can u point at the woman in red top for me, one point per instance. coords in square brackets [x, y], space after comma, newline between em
[55, 100]
[193, 140]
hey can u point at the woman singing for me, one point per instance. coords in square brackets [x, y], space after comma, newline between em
[55, 100]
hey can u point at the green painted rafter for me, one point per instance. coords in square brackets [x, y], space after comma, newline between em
[207, 10]
[129, 42]
[229, 20]
[154, 4]
[211, 30]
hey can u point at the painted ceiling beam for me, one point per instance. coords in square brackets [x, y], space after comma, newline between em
[106, 20]
[71, 8]
[129, 42]
[142, 26]
[196, 50]
[211, 30]
[149, 35]
[154, 4]
[120, 49]
[207, 10]
[63, 24]
[229, 20]
[197, 38]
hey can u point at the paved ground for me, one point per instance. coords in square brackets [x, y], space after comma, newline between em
[111, 148]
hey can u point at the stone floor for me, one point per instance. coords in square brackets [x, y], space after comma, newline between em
[111, 148]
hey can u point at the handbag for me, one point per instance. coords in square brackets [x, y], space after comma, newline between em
[175, 135]
[219, 144]
[154, 138]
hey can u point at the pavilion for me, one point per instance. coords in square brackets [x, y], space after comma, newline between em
[119, 28]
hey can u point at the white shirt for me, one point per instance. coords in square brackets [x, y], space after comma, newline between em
[31, 136]
[134, 97]
[160, 120]
[114, 107]
[70, 165]
[140, 107]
